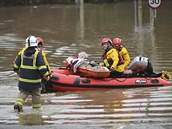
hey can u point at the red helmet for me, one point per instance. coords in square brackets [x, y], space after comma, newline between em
[117, 41]
[106, 40]
[40, 41]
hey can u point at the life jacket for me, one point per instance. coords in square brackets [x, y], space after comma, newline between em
[120, 48]
[121, 61]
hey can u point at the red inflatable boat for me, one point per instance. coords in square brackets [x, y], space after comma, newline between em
[65, 80]
[97, 78]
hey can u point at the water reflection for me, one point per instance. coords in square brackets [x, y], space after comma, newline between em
[66, 30]
[141, 105]
[95, 107]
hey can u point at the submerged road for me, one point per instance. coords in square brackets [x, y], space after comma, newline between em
[130, 126]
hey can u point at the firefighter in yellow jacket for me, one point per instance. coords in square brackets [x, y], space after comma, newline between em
[112, 58]
[40, 45]
[122, 50]
[31, 69]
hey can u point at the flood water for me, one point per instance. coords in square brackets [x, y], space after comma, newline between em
[67, 30]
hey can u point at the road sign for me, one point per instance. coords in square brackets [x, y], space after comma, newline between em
[154, 3]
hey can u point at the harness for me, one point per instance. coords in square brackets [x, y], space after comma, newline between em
[33, 56]
[108, 63]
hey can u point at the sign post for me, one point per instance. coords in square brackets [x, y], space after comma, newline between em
[154, 4]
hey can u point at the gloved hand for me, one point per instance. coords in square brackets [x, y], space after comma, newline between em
[101, 64]
[18, 73]
[112, 68]
[47, 78]
[50, 75]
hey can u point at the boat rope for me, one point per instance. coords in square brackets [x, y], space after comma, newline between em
[119, 80]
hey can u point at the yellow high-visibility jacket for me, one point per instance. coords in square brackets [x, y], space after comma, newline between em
[125, 56]
[31, 68]
[46, 62]
[22, 50]
[113, 60]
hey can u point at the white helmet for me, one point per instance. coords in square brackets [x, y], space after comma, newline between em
[31, 41]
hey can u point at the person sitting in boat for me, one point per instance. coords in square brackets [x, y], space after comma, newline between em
[112, 59]
[82, 59]
[83, 65]
[117, 42]
[74, 62]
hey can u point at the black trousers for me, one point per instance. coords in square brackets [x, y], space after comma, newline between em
[115, 74]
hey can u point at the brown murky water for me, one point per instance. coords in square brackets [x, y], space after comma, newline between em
[66, 30]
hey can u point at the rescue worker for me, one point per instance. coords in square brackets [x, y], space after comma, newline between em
[30, 67]
[112, 58]
[40, 47]
[117, 42]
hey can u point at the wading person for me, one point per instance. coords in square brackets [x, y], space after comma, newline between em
[30, 67]
[40, 48]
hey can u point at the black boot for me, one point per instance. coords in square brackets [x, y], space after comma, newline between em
[18, 108]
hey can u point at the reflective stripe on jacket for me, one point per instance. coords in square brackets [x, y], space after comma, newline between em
[43, 54]
[32, 68]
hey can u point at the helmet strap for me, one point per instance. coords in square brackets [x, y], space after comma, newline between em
[40, 49]
[120, 48]
[29, 41]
